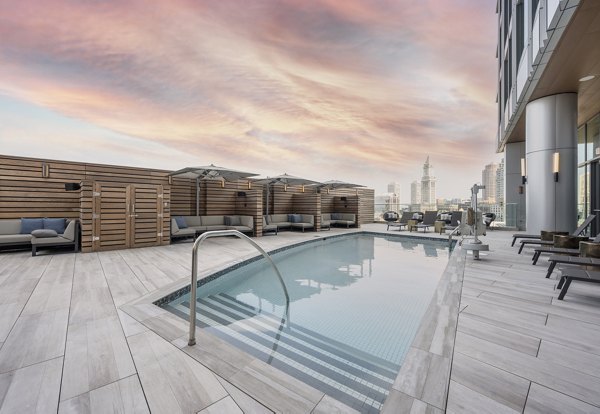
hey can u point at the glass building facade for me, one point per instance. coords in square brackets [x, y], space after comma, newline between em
[588, 172]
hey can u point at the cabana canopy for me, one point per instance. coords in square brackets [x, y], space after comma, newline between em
[284, 179]
[209, 172]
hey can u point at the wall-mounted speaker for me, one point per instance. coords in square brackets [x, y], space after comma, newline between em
[241, 194]
[344, 199]
[72, 186]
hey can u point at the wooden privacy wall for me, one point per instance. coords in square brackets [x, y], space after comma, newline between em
[250, 204]
[183, 197]
[359, 202]
[32, 187]
[36, 188]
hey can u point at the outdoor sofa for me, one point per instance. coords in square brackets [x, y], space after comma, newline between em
[39, 233]
[339, 219]
[291, 221]
[189, 226]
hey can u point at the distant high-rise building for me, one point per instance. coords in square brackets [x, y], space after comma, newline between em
[500, 183]
[394, 188]
[415, 193]
[428, 200]
[488, 179]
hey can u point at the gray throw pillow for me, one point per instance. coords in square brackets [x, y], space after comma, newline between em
[44, 233]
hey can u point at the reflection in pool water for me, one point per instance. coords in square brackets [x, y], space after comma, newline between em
[355, 305]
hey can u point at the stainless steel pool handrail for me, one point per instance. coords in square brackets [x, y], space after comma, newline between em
[450, 236]
[194, 285]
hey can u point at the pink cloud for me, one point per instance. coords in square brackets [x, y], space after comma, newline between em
[353, 83]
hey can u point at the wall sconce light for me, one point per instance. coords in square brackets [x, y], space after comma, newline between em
[328, 191]
[302, 188]
[222, 183]
[45, 170]
[523, 171]
[249, 185]
[285, 187]
[72, 186]
[556, 165]
[170, 179]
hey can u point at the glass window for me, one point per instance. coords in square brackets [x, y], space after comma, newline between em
[581, 156]
[582, 194]
[520, 31]
[593, 138]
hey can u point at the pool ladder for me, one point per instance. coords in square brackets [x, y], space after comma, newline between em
[194, 285]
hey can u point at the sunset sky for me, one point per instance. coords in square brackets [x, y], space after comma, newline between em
[352, 90]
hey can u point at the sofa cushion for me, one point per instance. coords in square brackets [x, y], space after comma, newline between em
[278, 218]
[30, 224]
[10, 226]
[56, 224]
[295, 218]
[6, 239]
[232, 220]
[44, 233]
[213, 220]
[307, 218]
[193, 221]
[336, 216]
[347, 217]
[181, 222]
[50, 241]
[70, 230]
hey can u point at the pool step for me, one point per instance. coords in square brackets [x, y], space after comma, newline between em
[347, 374]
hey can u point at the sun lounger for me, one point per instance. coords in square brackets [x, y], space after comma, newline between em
[570, 260]
[577, 232]
[559, 250]
[428, 220]
[579, 275]
[454, 221]
[403, 222]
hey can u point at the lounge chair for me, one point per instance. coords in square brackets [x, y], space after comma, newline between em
[570, 260]
[579, 275]
[428, 220]
[537, 236]
[577, 232]
[454, 221]
[403, 222]
[559, 250]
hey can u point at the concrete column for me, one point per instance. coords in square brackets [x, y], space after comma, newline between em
[514, 188]
[551, 126]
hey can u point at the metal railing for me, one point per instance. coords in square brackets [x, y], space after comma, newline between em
[194, 286]
[450, 236]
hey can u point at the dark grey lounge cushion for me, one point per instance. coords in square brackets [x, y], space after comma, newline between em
[44, 233]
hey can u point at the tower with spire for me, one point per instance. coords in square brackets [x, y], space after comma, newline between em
[428, 198]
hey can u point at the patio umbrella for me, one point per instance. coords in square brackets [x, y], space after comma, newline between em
[209, 172]
[285, 179]
[335, 184]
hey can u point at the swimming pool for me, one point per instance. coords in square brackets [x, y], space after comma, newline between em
[356, 303]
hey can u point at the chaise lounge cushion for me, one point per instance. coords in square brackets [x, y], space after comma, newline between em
[30, 224]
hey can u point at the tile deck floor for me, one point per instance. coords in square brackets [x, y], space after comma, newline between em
[66, 346]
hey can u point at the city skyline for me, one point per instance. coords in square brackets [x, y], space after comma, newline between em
[313, 89]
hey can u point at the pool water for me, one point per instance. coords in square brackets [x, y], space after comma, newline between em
[356, 303]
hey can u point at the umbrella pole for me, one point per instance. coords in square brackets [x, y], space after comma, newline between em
[197, 196]
[268, 191]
